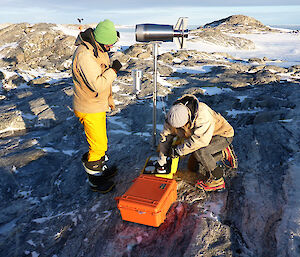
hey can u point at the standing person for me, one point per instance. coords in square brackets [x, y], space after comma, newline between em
[93, 76]
[204, 133]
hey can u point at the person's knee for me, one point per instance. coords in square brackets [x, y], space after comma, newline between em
[202, 172]
[199, 154]
[217, 172]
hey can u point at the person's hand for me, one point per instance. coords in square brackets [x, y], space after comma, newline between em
[116, 65]
[160, 168]
[111, 103]
[174, 153]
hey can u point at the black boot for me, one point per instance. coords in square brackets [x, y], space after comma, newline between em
[100, 184]
[98, 174]
[98, 167]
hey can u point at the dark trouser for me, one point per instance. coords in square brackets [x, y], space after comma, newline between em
[208, 156]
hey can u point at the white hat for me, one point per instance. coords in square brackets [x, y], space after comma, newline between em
[178, 115]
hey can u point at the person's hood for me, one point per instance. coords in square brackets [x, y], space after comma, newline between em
[87, 36]
[193, 102]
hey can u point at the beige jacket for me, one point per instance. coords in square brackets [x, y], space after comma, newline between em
[206, 123]
[92, 79]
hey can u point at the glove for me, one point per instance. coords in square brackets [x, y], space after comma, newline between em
[116, 65]
[160, 169]
[174, 153]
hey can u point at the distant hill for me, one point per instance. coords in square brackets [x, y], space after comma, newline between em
[238, 24]
[217, 32]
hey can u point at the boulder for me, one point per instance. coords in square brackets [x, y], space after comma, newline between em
[123, 58]
[166, 58]
[11, 121]
[134, 50]
[144, 55]
[257, 60]
[256, 68]
[265, 77]
[36, 44]
[14, 82]
[275, 69]
[294, 68]
[2, 75]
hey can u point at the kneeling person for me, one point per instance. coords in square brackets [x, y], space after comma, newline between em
[204, 133]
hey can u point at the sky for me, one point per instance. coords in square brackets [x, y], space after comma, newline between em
[199, 12]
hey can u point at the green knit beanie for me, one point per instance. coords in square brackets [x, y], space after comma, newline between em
[105, 33]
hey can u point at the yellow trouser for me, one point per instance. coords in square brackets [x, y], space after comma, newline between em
[95, 130]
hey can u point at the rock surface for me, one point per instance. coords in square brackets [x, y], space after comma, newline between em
[46, 206]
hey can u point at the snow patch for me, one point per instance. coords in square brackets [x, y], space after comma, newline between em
[215, 90]
[70, 152]
[45, 219]
[234, 112]
[117, 121]
[241, 98]
[115, 89]
[31, 242]
[28, 116]
[163, 82]
[103, 216]
[9, 45]
[49, 150]
[35, 254]
[194, 69]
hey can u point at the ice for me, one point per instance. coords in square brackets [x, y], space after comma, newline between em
[194, 69]
[272, 45]
[70, 152]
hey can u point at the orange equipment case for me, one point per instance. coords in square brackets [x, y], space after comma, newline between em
[148, 200]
